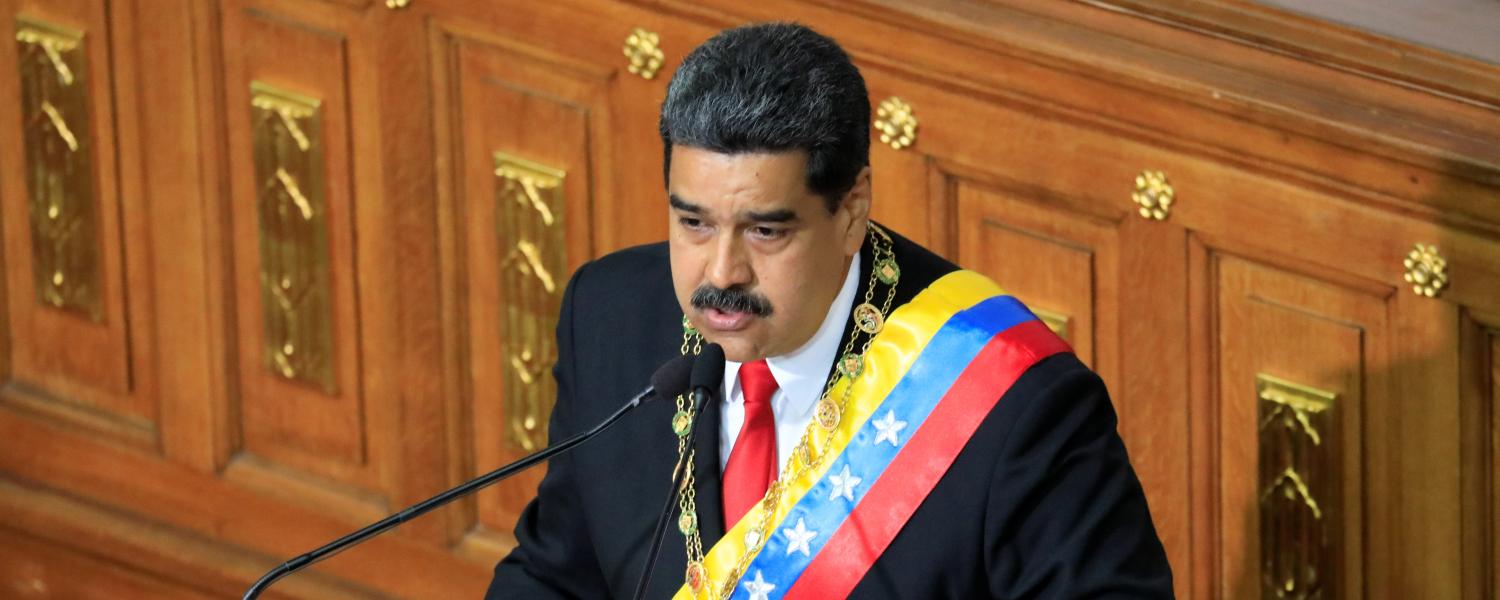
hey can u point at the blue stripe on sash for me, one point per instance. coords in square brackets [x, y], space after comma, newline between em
[912, 399]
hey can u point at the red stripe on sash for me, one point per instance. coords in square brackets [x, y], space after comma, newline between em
[911, 475]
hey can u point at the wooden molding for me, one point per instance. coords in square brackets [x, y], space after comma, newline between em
[1330, 44]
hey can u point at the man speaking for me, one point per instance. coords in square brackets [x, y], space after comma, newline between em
[889, 426]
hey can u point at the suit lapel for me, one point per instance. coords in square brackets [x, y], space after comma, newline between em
[706, 477]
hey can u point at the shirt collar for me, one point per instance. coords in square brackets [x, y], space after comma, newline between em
[802, 373]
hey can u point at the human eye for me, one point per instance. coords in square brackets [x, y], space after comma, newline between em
[691, 223]
[767, 233]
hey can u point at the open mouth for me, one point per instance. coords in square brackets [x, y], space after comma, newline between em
[723, 321]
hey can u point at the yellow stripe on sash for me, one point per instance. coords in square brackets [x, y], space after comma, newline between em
[894, 349]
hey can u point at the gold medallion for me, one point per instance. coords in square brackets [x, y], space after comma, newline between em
[687, 523]
[851, 365]
[887, 272]
[687, 326]
[695, 576]
[828, 414]
[868, 318]
[681, 423]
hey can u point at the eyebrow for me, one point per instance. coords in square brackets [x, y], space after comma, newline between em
[780, 215]
[684, 205]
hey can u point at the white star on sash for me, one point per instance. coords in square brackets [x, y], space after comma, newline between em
[759, 589]
[798, 538]
[887, 428]
[843, 485]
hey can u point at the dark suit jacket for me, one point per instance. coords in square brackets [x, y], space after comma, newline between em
[1041, 503]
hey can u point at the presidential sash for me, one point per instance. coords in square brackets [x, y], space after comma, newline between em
[931, 375]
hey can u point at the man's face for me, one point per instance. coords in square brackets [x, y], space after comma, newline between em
[756, 257]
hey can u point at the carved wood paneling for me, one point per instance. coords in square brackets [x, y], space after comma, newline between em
[1299, 362]
[1056, 260]
[302, 406]
[80, 354]
[527, 130]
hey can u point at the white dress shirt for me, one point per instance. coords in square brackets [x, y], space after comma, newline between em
[800, 377]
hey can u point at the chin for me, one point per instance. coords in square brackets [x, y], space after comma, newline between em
[736, 348]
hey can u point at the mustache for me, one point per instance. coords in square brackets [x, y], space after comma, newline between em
[734, 299]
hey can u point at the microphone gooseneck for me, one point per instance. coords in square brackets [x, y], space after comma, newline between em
[669, 381]
[707, 378]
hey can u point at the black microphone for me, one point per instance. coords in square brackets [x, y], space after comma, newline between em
[708, 376]
[669, 380]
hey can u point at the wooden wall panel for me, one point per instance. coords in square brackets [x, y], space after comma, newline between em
[527, 128]
[294, 196]
[1063, 264]
[1290, 464]
[80, 348]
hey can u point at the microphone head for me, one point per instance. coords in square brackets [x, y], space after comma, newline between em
[708, 370]
[671, 379]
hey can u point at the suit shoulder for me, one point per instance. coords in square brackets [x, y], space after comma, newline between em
[634, 284]
[637, 263]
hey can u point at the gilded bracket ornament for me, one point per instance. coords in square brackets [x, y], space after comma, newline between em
[643, 49]
[529, 221]
[1153, 195]
[896, 123]
[1297, 477]
[59, 177]
[1426, 270]
[295, 268]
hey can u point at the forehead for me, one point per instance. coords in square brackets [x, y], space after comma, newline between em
[713, 179]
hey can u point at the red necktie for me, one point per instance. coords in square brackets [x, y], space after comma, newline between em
[752, 462]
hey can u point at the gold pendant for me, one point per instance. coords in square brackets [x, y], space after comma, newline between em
[828, 414]
[887, 272]
[851, 365]
[868, 318]
[681, 423]
[687, 523]
[804, 455]
[695, 576]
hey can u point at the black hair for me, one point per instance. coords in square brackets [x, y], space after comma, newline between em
[773, 87]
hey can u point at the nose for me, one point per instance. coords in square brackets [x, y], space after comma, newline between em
[730, 266]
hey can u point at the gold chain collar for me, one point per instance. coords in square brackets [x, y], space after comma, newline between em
[868, 321]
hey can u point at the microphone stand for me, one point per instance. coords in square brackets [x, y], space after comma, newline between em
[679, 475]
[420, 508]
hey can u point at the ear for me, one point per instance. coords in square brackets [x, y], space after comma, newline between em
[857, 204]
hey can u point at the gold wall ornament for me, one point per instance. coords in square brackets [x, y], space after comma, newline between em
[896, 123]
[1297, 484]
[1154, 195]
[643, 49]
[64, 213]
[529, 221]
[1426, 270]
[1055, 321]
[295, 272]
